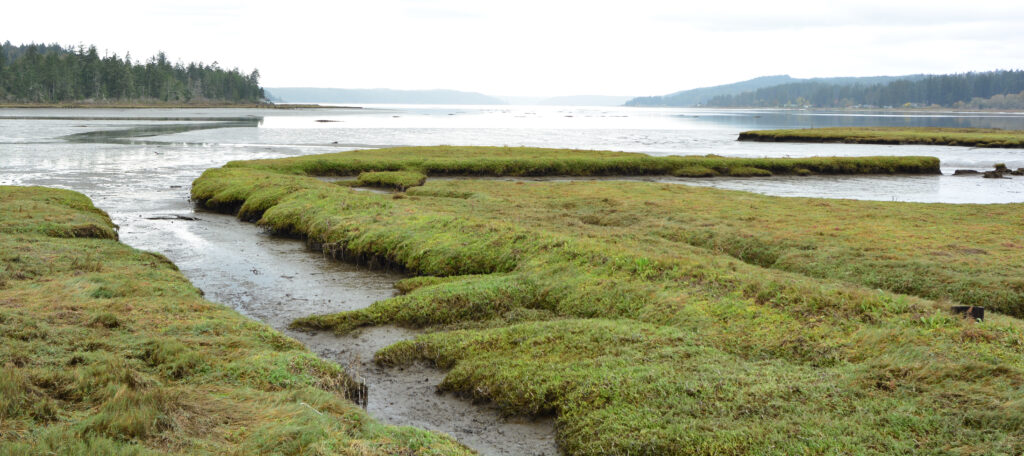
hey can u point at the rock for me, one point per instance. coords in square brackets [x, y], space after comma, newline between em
[964, 172]
[993, 175]
[1018, 172]
[975, 312]
[1002, 167]
[173, 217]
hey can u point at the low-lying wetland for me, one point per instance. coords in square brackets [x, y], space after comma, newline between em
[144, 187]
[110, 350]
[652, 318]
[972, 137]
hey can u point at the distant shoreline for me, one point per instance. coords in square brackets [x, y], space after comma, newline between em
[886, 110]
[89, 105]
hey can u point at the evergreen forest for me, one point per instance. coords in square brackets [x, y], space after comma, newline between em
[950, 90]
[40, 73]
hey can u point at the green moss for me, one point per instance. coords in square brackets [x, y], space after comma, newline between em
[526, 161]
[668, 319]
[105, 349]
[973, 137]
[52, 212]
[694, 171]
[398, 180]
[749, 171]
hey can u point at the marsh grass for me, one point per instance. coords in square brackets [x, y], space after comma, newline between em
[105, 349]
[398, 180]
[667, 319]
[528, 161]
[973, 137]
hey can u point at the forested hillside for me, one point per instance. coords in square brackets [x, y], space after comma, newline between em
[700, 96]
[951, 90]
[51, 73]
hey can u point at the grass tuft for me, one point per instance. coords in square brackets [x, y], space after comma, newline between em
[750, 171]
[398, 180]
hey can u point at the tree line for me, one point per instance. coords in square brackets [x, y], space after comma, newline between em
[950, 90]
[40, 73]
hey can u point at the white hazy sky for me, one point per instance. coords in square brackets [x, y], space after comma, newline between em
[543, 48]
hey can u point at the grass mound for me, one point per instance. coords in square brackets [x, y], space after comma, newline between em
[105, 349]
[694, 171]
[750, 171]
[398, 180]
[528, 161]
[973, 137]
[667, 319]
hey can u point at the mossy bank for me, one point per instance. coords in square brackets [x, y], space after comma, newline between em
[973, 137]
[528, 161]
[105, 349]
[666, 319]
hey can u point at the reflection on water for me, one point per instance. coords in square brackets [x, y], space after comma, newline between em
[129, 135]
[66, 146]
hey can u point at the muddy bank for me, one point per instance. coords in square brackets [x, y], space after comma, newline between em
[276, 280]
[408, 396]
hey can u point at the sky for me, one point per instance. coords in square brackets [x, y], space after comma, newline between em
[540, 48]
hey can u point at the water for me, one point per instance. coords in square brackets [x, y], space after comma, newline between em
[138, 165]
[227, 134]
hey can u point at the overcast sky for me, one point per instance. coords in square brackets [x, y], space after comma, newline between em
[542, 48]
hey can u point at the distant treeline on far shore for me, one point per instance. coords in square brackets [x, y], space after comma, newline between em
[985, 90]
[38, 73]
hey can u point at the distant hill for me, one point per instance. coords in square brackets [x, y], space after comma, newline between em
[943, 90]
[378, 96]
[698, 97]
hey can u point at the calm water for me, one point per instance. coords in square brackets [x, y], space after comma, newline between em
[141, 150]
[138, 165]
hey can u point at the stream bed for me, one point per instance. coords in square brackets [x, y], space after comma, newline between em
[276, 280]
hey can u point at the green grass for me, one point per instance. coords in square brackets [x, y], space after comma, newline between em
[973, 137]
[695, 171]
[526, 161]
[667, 319]
[750, 171]
[398, 180]
[105, 349]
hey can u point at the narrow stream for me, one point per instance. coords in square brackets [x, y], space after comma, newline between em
[276, 280]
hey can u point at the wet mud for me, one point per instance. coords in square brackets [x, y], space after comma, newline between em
[276, 280]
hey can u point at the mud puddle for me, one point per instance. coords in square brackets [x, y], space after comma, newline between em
[408, 396]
